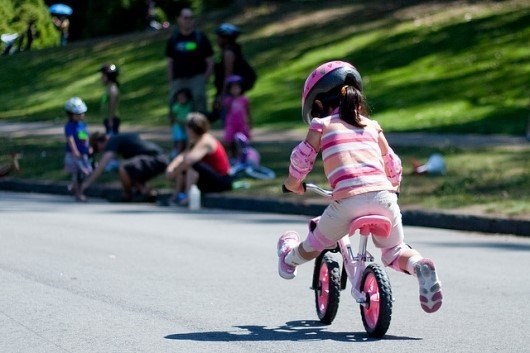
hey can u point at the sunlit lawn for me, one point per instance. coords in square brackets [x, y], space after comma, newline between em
[487, 180]
[441, 67]
[448, 67]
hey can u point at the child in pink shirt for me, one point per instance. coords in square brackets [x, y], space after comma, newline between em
[237, 113]
[363, 171]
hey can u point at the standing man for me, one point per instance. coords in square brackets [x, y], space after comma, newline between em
[190, 60]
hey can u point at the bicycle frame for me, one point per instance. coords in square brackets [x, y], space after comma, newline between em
[354, 265]
[370, 286]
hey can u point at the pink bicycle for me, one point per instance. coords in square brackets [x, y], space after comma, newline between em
[370, 286]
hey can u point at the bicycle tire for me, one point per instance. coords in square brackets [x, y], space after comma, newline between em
[260, 172]
[327, 290]
[376, 315]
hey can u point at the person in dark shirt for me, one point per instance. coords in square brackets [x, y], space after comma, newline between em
[142, 161]
[190, 60]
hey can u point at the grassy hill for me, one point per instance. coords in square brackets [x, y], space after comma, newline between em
[434, 66]
[439, 66]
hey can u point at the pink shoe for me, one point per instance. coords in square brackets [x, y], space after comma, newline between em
[430, 286]
[287, 242]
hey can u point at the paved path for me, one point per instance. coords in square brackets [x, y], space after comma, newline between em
[10, 129]
[124, 278]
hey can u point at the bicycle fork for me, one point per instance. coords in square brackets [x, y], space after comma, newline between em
[355, 265]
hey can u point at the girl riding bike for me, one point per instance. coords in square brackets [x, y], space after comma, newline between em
[363, 171]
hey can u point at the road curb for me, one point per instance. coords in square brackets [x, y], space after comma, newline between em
[247, 203]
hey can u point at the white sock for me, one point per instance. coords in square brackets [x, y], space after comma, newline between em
[412, 262]
[294, 258]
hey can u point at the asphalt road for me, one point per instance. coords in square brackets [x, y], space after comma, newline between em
[107, 277]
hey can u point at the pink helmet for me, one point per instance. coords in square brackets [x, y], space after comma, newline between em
[324, 78]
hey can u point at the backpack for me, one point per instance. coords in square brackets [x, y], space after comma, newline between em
[247, 73]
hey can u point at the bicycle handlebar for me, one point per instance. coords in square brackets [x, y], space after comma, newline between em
[317, 189]
[309, 186]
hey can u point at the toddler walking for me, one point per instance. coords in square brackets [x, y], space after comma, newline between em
[76, 160]
[181, 106]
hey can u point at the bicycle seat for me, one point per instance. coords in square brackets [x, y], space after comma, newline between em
[371, 224]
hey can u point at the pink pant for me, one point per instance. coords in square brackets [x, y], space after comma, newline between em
[337, 217]
[234, 126]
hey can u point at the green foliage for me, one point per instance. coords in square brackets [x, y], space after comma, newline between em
[452, 68]
[15, 16]
[462, 70]
[6, 14]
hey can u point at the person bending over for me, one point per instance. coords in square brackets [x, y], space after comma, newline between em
[142, 161]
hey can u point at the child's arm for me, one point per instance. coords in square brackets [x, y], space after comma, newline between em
[174, 164]
[302, 161]
[393, 168]
[105, 159]
[71, 143]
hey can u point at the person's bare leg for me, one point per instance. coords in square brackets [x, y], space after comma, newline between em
[126, 184]
[79, 196]
[307, 255]
[14, 161]
[179, 179]
[191, 178]
[13, 166]
[5, 170]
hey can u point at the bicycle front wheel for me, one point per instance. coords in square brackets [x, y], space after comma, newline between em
[377, 311]
[327, 291]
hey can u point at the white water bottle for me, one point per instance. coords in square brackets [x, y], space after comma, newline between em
[194, 198]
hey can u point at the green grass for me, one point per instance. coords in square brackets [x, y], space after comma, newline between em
[486, 181]
[491, 181]
[446, 66]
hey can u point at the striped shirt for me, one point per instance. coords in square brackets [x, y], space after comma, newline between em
[352, 158]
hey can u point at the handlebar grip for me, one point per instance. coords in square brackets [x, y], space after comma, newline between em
[286, 191]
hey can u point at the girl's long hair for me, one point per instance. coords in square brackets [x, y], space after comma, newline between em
[348, 97]
[352, 104]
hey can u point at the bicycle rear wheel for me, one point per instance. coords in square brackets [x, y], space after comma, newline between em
[377, 312]
[327, 289]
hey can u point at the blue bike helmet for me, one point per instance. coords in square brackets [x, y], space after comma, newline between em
[228, 30]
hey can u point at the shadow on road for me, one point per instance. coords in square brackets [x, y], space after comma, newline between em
[303, 330]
